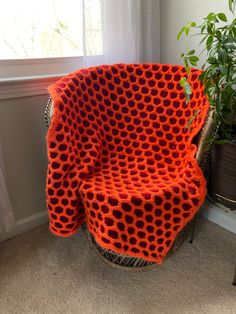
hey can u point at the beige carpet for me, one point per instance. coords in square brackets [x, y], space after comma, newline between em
[40, 273]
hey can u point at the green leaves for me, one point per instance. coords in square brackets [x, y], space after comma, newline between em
[209, 42]
[211, 17]
[189, 59]
[189, 123]
[221, 56]
[222, 17]
[182, 81]
[187, 88]
[193, 60]
[215, 18]
[230, 43]
[212, 60]
[232, 4]
[219, 76]
[186, 29]
[180, 32]
[191, 52]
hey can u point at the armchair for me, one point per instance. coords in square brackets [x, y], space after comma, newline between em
[125, 156]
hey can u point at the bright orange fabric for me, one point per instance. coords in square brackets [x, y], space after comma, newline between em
[121, 156]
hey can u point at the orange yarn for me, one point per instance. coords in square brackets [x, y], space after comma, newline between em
[121, 157]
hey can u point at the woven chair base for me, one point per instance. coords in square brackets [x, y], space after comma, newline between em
[129, 263]
[122, 262]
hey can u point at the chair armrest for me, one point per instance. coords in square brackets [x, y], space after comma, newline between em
[206, 140]
[48, 112]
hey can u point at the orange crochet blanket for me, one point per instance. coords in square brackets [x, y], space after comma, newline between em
[121, 156]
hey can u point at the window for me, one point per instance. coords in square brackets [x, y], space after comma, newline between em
[48, 31]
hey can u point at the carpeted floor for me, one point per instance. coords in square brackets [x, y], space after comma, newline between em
[40, 273]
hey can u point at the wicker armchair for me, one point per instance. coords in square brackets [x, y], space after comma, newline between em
[135, 263]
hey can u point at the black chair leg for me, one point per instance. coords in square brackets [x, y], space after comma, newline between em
[193, 228]
[234, 280]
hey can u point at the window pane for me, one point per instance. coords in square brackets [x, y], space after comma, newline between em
[93, 27]
[49, 28]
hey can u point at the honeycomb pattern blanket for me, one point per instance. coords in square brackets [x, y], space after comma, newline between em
[122, 158]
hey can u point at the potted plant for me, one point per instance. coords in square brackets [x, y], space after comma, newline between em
[218, 37]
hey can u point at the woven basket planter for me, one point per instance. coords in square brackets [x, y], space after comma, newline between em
[222, 184]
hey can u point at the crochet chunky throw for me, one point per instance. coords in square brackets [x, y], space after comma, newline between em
[121, 156]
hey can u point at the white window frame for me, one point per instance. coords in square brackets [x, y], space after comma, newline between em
[29, 77]
[17, 68]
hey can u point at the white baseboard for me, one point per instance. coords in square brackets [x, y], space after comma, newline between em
[25, 224]
[212, 212]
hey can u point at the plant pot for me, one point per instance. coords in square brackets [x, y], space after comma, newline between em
[222, 177]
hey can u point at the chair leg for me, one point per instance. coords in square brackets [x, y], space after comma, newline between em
[193, 228]
[234, 280]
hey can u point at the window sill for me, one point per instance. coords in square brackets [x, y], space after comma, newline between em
[18, 77]
[40, 67]
[25, 86]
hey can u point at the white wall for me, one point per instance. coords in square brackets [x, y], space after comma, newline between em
[24, 161]
[177, 13]
[23, 145]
